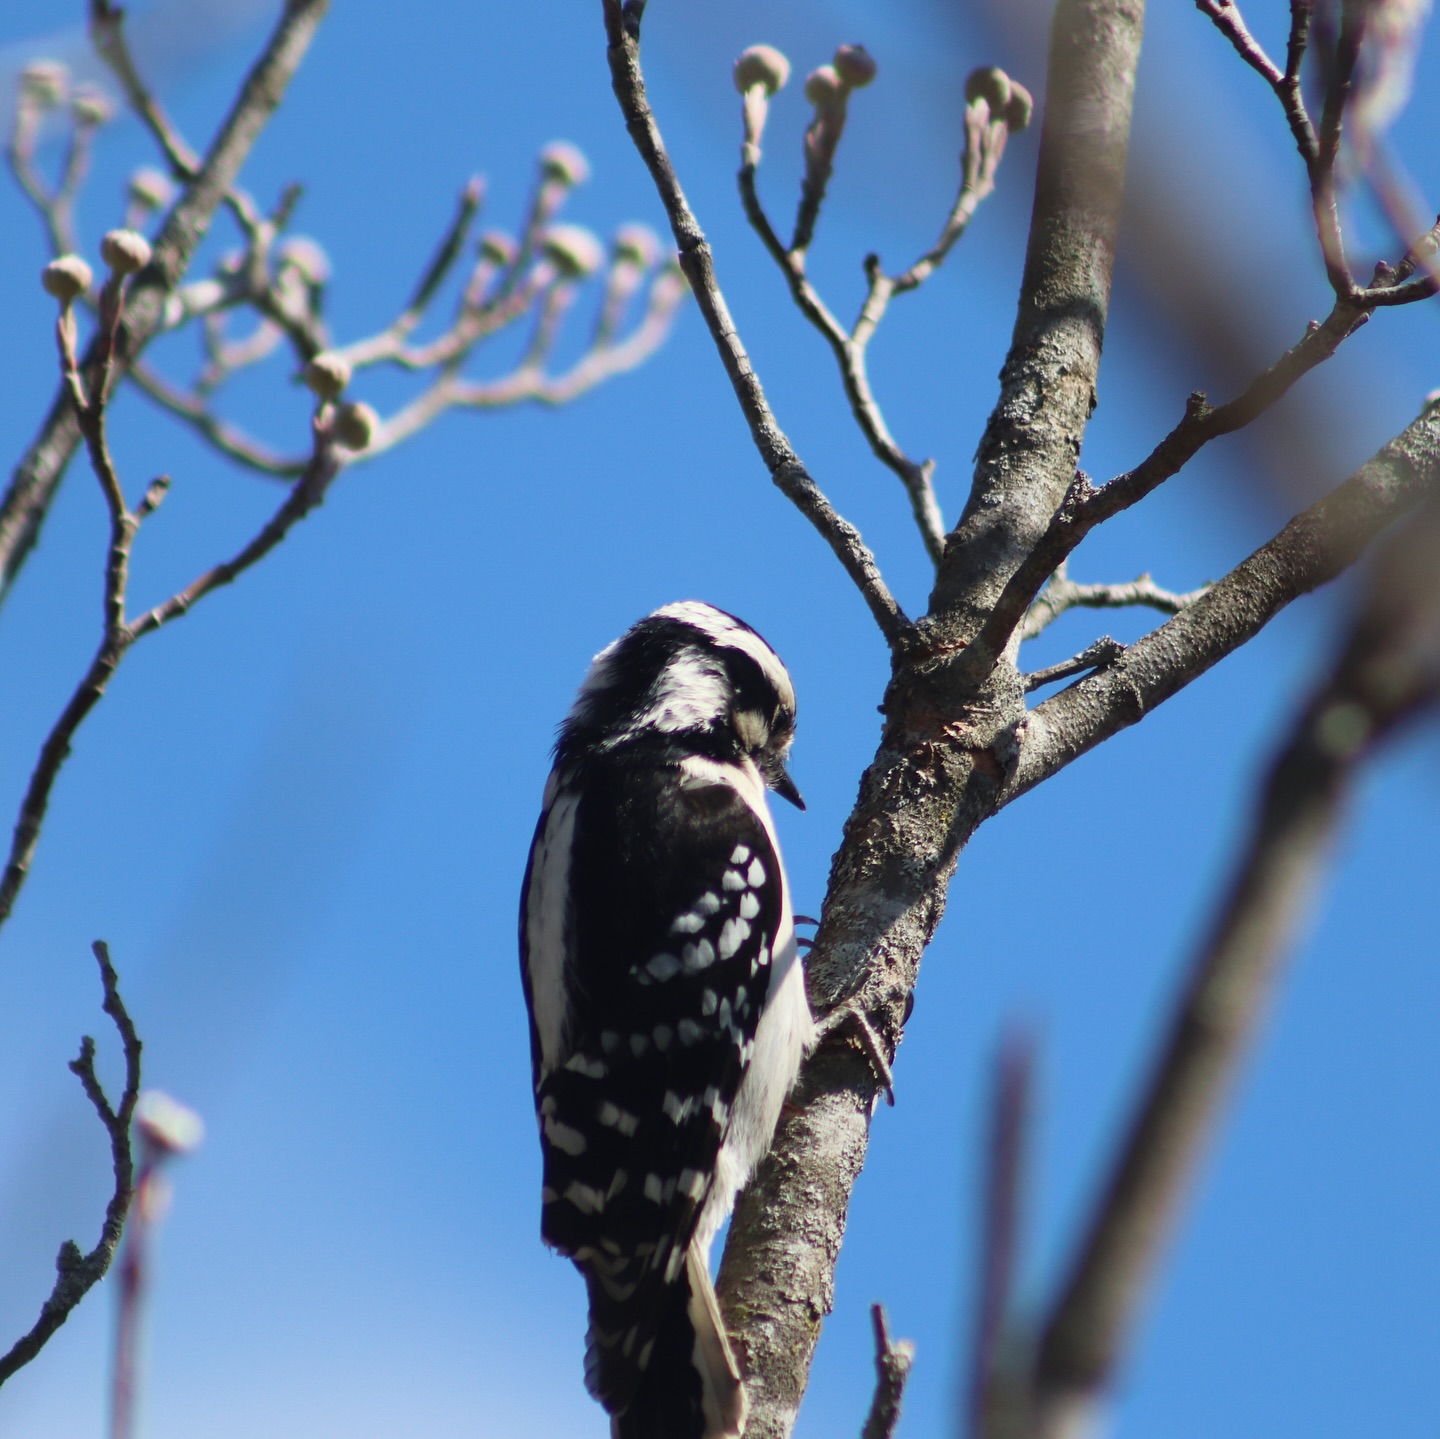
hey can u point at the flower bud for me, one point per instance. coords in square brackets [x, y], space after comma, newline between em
[355, 425]
[564, 162]
[90, 105]
[1017, 113]
[638, 244]
[306, 256]
[574, 250]
[167, 1125]
[855, 65]
[66, 278]
[150, 189]
[43, 83]
[824, 88]
[991, 84]
[327, 374]
[498, 248]
[761, 65]
[125, 251]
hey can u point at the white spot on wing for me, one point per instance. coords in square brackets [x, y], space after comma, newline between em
[734, 879]
[698, 956]
[756, 874]
[741, 854]
[567, 1140]
[749, 905]
[733, 934]
[664, 966]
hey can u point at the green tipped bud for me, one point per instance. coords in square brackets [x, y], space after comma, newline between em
[855, 65]
[167, 1125]
[574, 250]
[327, 374]
[66, 278]
[824, 89]
[150, 189]
[355, 425]
[498, 247]
[637, 244]
[761, 65]
[43, 84]
[1018, 112]
[307, 257]
[564, 162]
[125, 251]
[991, 84]
[90, 105]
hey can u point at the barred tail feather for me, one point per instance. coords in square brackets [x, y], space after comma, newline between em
[689, 1385]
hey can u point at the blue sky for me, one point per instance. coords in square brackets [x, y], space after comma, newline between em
[300, 817]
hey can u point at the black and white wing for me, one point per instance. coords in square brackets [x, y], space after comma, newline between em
[653, 918]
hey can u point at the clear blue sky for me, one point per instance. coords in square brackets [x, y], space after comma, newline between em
[300, 817]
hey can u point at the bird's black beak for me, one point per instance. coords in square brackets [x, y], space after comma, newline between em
[784, 786]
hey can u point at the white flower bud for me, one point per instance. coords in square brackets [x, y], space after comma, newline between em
[327, 374]
[355, 425]
[761, 65]
[125, 251]
[150, 189]
[991, 84]
[498, 247]
[90, 105]
[1021, 107]
[564, 162]
[638, 244]
[167, 1125]
[824, 88]
[66, 278]
[575, 251]
[43, 83]
[306, 256]
[855, 65]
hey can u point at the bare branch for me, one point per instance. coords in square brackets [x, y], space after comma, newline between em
[893, 1359]
[77, 1273]
[33, 484]
[622, 25]
[1063, 593]
[118, 634]
[1387, 670]
[1104, 651]
[1312, 549]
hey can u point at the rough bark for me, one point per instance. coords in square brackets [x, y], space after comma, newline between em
[948, 750]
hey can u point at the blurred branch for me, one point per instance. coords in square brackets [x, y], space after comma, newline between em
[1313, 548]
[1002, 1199]
[893, 1359]
[622, 27]
[76, 1273]
[33, 484]
[1387, 670]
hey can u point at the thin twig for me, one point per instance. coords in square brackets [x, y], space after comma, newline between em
[36, 478]
[1104, 651]
[1062, 593]
[622, 26]
[1388, 669]
[893, 1360]
[118, 634]
[77, 1273]
[1086, 507]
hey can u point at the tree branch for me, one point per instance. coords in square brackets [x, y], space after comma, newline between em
[1386, 671]
[893, 1359]
[946, 750]
[622, 27]
[1312, 549]
[77, 1273]
[36, 478]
